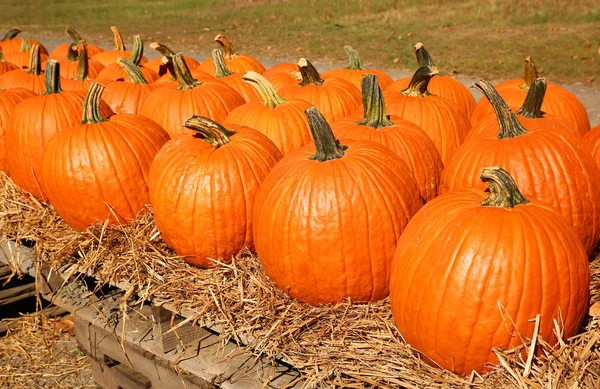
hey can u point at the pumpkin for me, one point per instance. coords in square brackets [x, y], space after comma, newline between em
[9, 99]
[21, 58]
[31, 78]
[237, 63]
[5, 66]
[404, 138]
[444, 122]
[111, 56]
[283, 121]
[71, 63]
[82, 80]
[591, 140]
[10, 43]
[203, 185]
[64, 50]
[34, 122]
[530, 115]
[553, 167]
[170, 75]
[114, 72]
[159, 67]
[558, 101]
[283, 74]
[170, 108]
[234, 80]
[97, 171]
[443, 86]
[334, 98]
[327, 218]
[355, 70]
[473, 271]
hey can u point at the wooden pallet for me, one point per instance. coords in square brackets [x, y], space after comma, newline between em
[152, 346]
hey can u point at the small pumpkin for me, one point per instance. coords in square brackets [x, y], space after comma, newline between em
[21, 58]
[355, 70]
[9, 99]
[71, 64]
[237, 63]
[82, 80]
[6, 66]
[114, 72]
[62, 51]
[111, 56]
[283, 74]
[234, 80]
[11, 43]
[31, 78]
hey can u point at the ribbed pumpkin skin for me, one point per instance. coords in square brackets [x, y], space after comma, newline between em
[240, 64]
[20, 79]
[69, 69]
[443, 86]
[62, 51]
[285, 124]
[440, 118]
[203, 197]
[355, 76]
[127, 97]
[170, 108]
[335, 98]
[248, 93]
[7, 67]
[591, 140]
[283, 74]
[9, 99]
[114, 72]
[551, 167]
[325, 231]
[463, 271]
[21, 59]
[14, 44]
[31, 126]
[111, 56]
[92, 167]
[405, 139]
[558, 101]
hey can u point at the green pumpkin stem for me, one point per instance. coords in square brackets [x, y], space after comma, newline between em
[226, 46]
[529, 75]
[74, 35]
[12, 33]
[354, 62]
[211, 132]
[373, 104]
[509, 124]
[133, 72]
[35, 65]
[503, 190]
[91, 105]
[420, 82]
[267, 91]
[138, 50]
[183, 74]
[162, 49]
[221, 69]
[327, 146]
[25, 45]
[532, 106]
[52, 77]
[119, 45]
[309, 74]
[83, 66]
[423, 58]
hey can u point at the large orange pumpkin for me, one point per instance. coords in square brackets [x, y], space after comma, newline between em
[553, 167]
[10, 43]
[237, 63]
[114, 72]
[63, 50]
[82, 80]
[473, 271]
[234, 80]
[283, 121]
[9, 99]
[591, 140]
[6, 66]
[98, 170]
[72, 63]
[328, 217]
[22, 58]
[31, 78]
[34, 122]
[203, 185]
[355, 70]
[404, 138]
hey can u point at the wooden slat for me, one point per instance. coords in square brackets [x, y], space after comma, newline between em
[16, 293]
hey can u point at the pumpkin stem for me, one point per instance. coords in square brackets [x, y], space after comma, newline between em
[119, 45]
[221, 69]
[25, 45]
[91, 105]
[162, 49]
[133, 72]
[72, 54]
[529, 75]
[167, 63]
[309, 74]
[503, 190]
[35, 66]
[354, 62]
[182, 73]
[2, 55]
[83, 66]
[420, 81]
[327, 146]
[167, 53]
[268, 92]
[532, 106]
[138, 50]
[52, 77]
[12, 33]
[74, 35]
[212, 132]
[509, 124]
[373, 104]
[423, 58]
[227, 46]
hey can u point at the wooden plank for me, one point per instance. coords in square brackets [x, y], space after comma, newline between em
[16, 293]
[171, 330]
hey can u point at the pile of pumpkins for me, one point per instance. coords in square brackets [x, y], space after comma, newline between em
[476, 219]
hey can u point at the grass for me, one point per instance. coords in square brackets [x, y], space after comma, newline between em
[482, 38]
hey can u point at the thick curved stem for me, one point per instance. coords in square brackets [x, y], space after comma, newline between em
[530, 74]
[423, 58]
[373, 104]
[35, 65]
[138, 50]
[25, 45]
[52, 77]
[221, 69]
[327, 146]
[354, 62]
[119, 45]
[162, 49]
[420, 81]
[211, 132]
[502, 187]
[309, 74]
[83, 66]
[91, 105]
[226, 46]
[74, 35]
[509, 124]
[12, 33]
[183, 74]
[133, 72]
[532, 106]
[267, 91]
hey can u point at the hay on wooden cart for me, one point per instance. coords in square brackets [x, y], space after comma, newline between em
[346, 345]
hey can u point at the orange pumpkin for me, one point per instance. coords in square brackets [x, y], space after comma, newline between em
[114, 72]
[5, 66]
[21, 58]
[82, 81]
[111, 56]
[283, 74]
[234, 80]
[10, 43]
[237, 63]
[591, 140]
[31, 78]
[62, 51]
[71, 64]
[161, 68]
[9, 99]
[355, 70]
